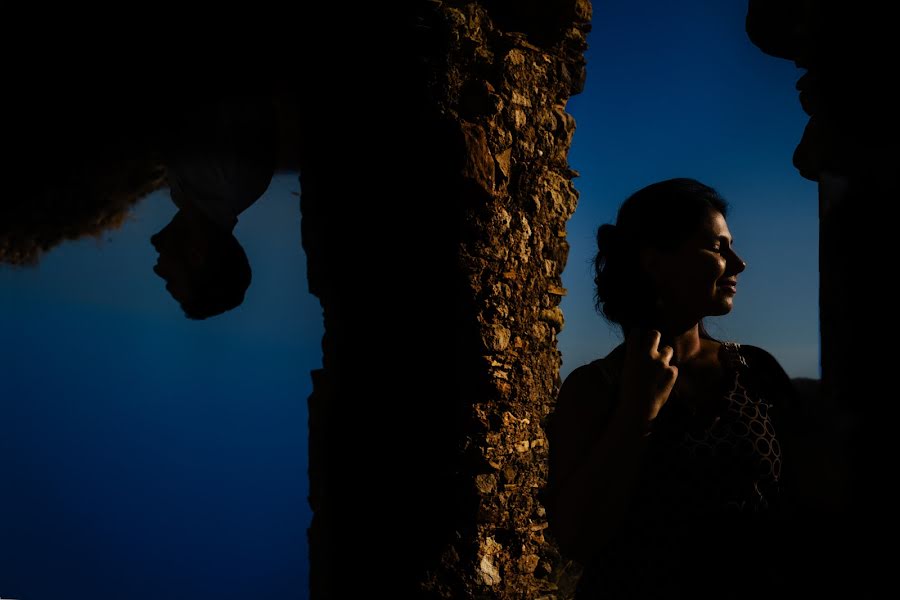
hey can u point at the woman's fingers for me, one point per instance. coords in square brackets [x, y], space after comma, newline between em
[669, 377]
[648, 376]
[666, 383]
[666, 353]
[653, 338]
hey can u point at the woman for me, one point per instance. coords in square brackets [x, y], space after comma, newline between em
[667, 463]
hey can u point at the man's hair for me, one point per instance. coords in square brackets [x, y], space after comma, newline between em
[220, 283]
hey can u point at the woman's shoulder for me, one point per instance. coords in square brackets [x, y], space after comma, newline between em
[600, 372]
[589, 391]
[760, 361]
[583, 405]
[769, 377]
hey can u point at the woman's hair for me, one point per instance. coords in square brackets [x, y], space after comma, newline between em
[662, 215]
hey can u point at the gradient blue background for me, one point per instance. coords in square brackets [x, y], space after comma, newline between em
[677, 90]
[144, 455]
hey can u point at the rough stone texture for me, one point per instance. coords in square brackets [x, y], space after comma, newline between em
[437, 253]
[507, 89]
[850, 148]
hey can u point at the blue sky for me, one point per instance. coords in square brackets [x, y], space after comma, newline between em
[144, 455]
[677, 90]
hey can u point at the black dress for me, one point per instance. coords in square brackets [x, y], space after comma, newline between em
[707, 517]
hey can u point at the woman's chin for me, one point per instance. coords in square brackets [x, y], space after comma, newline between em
[722, 308]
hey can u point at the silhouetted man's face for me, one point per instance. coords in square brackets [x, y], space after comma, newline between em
[205, 269]
[180, 254]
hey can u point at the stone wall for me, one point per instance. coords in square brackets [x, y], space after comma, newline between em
[434, 219]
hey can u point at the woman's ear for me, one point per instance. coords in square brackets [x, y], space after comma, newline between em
[649, 260]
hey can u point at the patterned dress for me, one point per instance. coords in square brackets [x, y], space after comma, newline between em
[703, 522]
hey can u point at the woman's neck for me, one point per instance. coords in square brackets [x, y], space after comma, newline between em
[686, 343]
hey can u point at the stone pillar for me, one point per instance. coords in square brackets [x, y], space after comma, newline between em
[435, 193]
[850, 148]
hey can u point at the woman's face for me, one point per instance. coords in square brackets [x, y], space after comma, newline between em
[699, 278]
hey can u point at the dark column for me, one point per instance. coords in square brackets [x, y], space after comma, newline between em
[435, 193]
[850, 148]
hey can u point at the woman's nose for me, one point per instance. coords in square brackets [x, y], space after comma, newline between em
[737, 263]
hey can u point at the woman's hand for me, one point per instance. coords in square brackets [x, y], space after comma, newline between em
[647, 377]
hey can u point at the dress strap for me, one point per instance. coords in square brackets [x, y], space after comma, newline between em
[733, 354]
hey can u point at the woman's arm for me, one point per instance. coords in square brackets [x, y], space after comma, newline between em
[597, 439]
